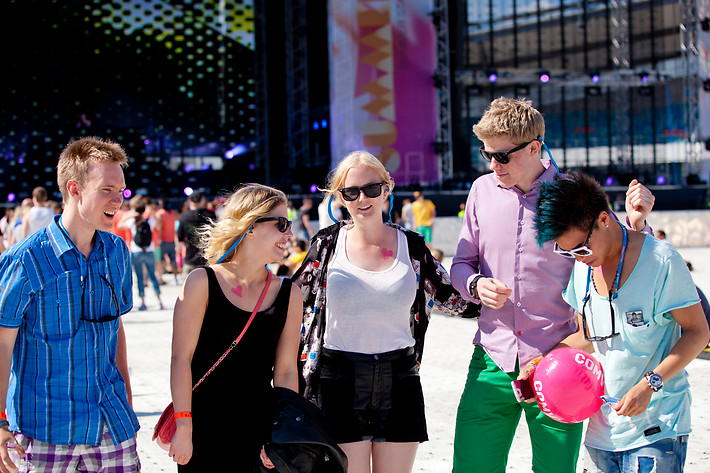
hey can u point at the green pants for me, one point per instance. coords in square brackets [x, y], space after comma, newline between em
[425, 231]
[488, 416]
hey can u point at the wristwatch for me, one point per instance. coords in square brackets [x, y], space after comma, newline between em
[472, 287]
[654, 380]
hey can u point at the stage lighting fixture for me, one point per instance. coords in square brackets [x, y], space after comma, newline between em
[644, 77]
[324, 123]
[594, 75]
[127, 193]
[609, 181]
[11, 197]
[188, 191]
[660, 180]
[235, 151]
[314, 188]
[492, 75]
[316, 125]
[544, 77]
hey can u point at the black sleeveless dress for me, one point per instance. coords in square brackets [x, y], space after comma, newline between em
[231, 409]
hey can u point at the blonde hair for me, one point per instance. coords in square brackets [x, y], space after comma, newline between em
[517, 119]
[241, 209]
[336, 178]
[75, 158]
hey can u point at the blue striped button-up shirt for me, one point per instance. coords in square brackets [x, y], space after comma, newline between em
[64, 383]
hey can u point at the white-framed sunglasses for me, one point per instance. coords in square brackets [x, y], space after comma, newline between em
[580, 251]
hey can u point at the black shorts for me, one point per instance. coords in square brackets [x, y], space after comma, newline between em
[372, 397]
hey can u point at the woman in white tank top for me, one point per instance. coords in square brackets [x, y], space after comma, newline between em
[368, 289]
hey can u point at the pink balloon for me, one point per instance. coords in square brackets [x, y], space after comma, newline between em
[568, 383]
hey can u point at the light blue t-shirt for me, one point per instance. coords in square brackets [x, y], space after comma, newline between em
[659, 283]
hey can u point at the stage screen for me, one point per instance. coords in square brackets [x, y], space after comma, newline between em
[383, 100]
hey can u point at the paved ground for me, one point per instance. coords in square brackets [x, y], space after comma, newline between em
[447, 353]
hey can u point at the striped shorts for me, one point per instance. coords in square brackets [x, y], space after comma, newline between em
[107, 457]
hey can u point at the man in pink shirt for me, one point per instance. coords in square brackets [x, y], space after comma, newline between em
[498, 263]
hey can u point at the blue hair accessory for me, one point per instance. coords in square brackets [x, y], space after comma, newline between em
[544, 146]
[330, 211]
[234, 246]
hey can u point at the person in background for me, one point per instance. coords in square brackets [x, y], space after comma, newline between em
[407, 215]
[142, 248]
[165, 225]
[302, 225]
[234, 404]
[661, 235]
[523, 316]
[368, 290]
[632, 295]
[39, 215]
[424, 212]
[123, 233]
[63, 361]
[192, 219]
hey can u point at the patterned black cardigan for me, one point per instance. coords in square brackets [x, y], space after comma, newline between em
[434, 289]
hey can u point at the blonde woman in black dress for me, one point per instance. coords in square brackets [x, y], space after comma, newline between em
[223, 423]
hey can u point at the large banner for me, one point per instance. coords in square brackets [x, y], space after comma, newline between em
[382, 95]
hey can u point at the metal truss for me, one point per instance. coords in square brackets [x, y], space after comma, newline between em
[621, 59]
[442, 80]
[297, 116]
[691, 81]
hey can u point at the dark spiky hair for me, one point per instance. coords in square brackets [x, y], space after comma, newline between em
[574, 200]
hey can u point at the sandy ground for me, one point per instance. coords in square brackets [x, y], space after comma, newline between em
[447, 353]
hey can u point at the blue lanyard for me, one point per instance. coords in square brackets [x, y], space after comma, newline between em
[614, 292]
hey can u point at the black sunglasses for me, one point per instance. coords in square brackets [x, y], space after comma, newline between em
[584, 320]
[502, 157]
[105, 318]
[283, 224]
[370, 190]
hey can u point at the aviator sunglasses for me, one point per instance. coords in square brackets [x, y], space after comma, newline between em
[503, 157]
[580, 251]
[370, 190]
[283, 224]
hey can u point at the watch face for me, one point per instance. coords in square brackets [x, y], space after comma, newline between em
[655, 380]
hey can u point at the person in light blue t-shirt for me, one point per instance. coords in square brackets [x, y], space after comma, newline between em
[632, 295]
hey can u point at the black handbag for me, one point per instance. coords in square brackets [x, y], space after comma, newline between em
[300, 441]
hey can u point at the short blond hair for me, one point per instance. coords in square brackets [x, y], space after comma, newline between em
[241, 209]
[74, 160]
[516, 119]
[336, 178]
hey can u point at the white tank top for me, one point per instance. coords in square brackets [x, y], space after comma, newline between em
[369, 311]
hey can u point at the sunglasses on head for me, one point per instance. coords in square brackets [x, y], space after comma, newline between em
[503, 157]
[580, 251]
[370, 190]
[283, 224]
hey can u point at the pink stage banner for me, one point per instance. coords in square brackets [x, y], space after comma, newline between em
[382, 95]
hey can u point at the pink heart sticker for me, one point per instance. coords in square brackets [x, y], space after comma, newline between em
[387, 253]
[237, 290]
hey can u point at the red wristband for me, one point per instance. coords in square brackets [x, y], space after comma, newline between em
[182, 415]
[3, 415]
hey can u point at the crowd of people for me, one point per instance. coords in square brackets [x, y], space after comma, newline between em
[542, 261]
